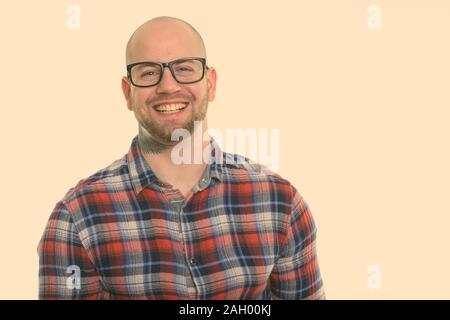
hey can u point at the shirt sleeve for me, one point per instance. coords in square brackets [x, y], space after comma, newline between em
[65, 269]
[296, 273]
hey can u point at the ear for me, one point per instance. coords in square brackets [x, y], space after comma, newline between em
[126, 89]
[211, 77]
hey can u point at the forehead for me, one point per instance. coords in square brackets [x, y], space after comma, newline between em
[163, 42]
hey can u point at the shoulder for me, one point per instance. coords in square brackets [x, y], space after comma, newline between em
[239, 169]
[102, 180]
[246, 177]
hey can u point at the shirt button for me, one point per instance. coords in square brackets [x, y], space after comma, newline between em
[193, 261]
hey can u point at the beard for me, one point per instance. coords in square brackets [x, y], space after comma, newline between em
[158, 136]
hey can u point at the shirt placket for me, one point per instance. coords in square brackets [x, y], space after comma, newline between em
[178, 203]
[188, 258]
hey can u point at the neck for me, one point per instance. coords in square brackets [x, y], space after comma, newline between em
[161, 158]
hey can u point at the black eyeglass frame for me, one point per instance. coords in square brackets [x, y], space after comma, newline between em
[169, 65]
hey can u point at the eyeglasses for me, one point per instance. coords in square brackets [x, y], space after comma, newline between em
[148, 73]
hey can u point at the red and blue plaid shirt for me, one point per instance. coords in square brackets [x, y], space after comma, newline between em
[245, 233]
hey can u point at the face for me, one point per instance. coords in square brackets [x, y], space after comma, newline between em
[154, 106]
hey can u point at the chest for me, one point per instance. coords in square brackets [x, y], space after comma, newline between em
[166, 247]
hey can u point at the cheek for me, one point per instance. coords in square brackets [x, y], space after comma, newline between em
[200, 93]
[139, 99]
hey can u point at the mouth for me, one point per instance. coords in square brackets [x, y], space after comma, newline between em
[169, 108]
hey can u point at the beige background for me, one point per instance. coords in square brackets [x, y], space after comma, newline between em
[363, 118]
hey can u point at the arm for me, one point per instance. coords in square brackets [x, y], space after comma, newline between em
[65, 270]
[296, 273]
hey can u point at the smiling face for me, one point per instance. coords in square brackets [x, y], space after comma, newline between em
[169, 105]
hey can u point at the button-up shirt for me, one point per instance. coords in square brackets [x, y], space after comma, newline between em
[122, 233]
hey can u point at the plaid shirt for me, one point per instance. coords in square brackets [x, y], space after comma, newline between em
[245, 233]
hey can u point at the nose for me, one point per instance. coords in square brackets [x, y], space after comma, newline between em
[167, 84]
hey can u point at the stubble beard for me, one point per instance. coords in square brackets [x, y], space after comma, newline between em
[154, 138]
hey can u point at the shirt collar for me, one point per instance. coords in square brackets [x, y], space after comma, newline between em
[142, 175]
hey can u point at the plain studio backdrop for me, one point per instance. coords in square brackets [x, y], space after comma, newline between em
[357, 89]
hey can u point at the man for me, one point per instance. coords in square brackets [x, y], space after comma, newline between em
[149, 227]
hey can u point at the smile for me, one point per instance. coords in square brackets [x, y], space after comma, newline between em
[170, 108]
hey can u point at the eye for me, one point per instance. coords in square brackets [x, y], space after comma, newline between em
[149, 73]
[184, 69]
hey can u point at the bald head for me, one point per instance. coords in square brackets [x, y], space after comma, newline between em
[164, 37]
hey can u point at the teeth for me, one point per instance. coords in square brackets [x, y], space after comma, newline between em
[170, 107]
